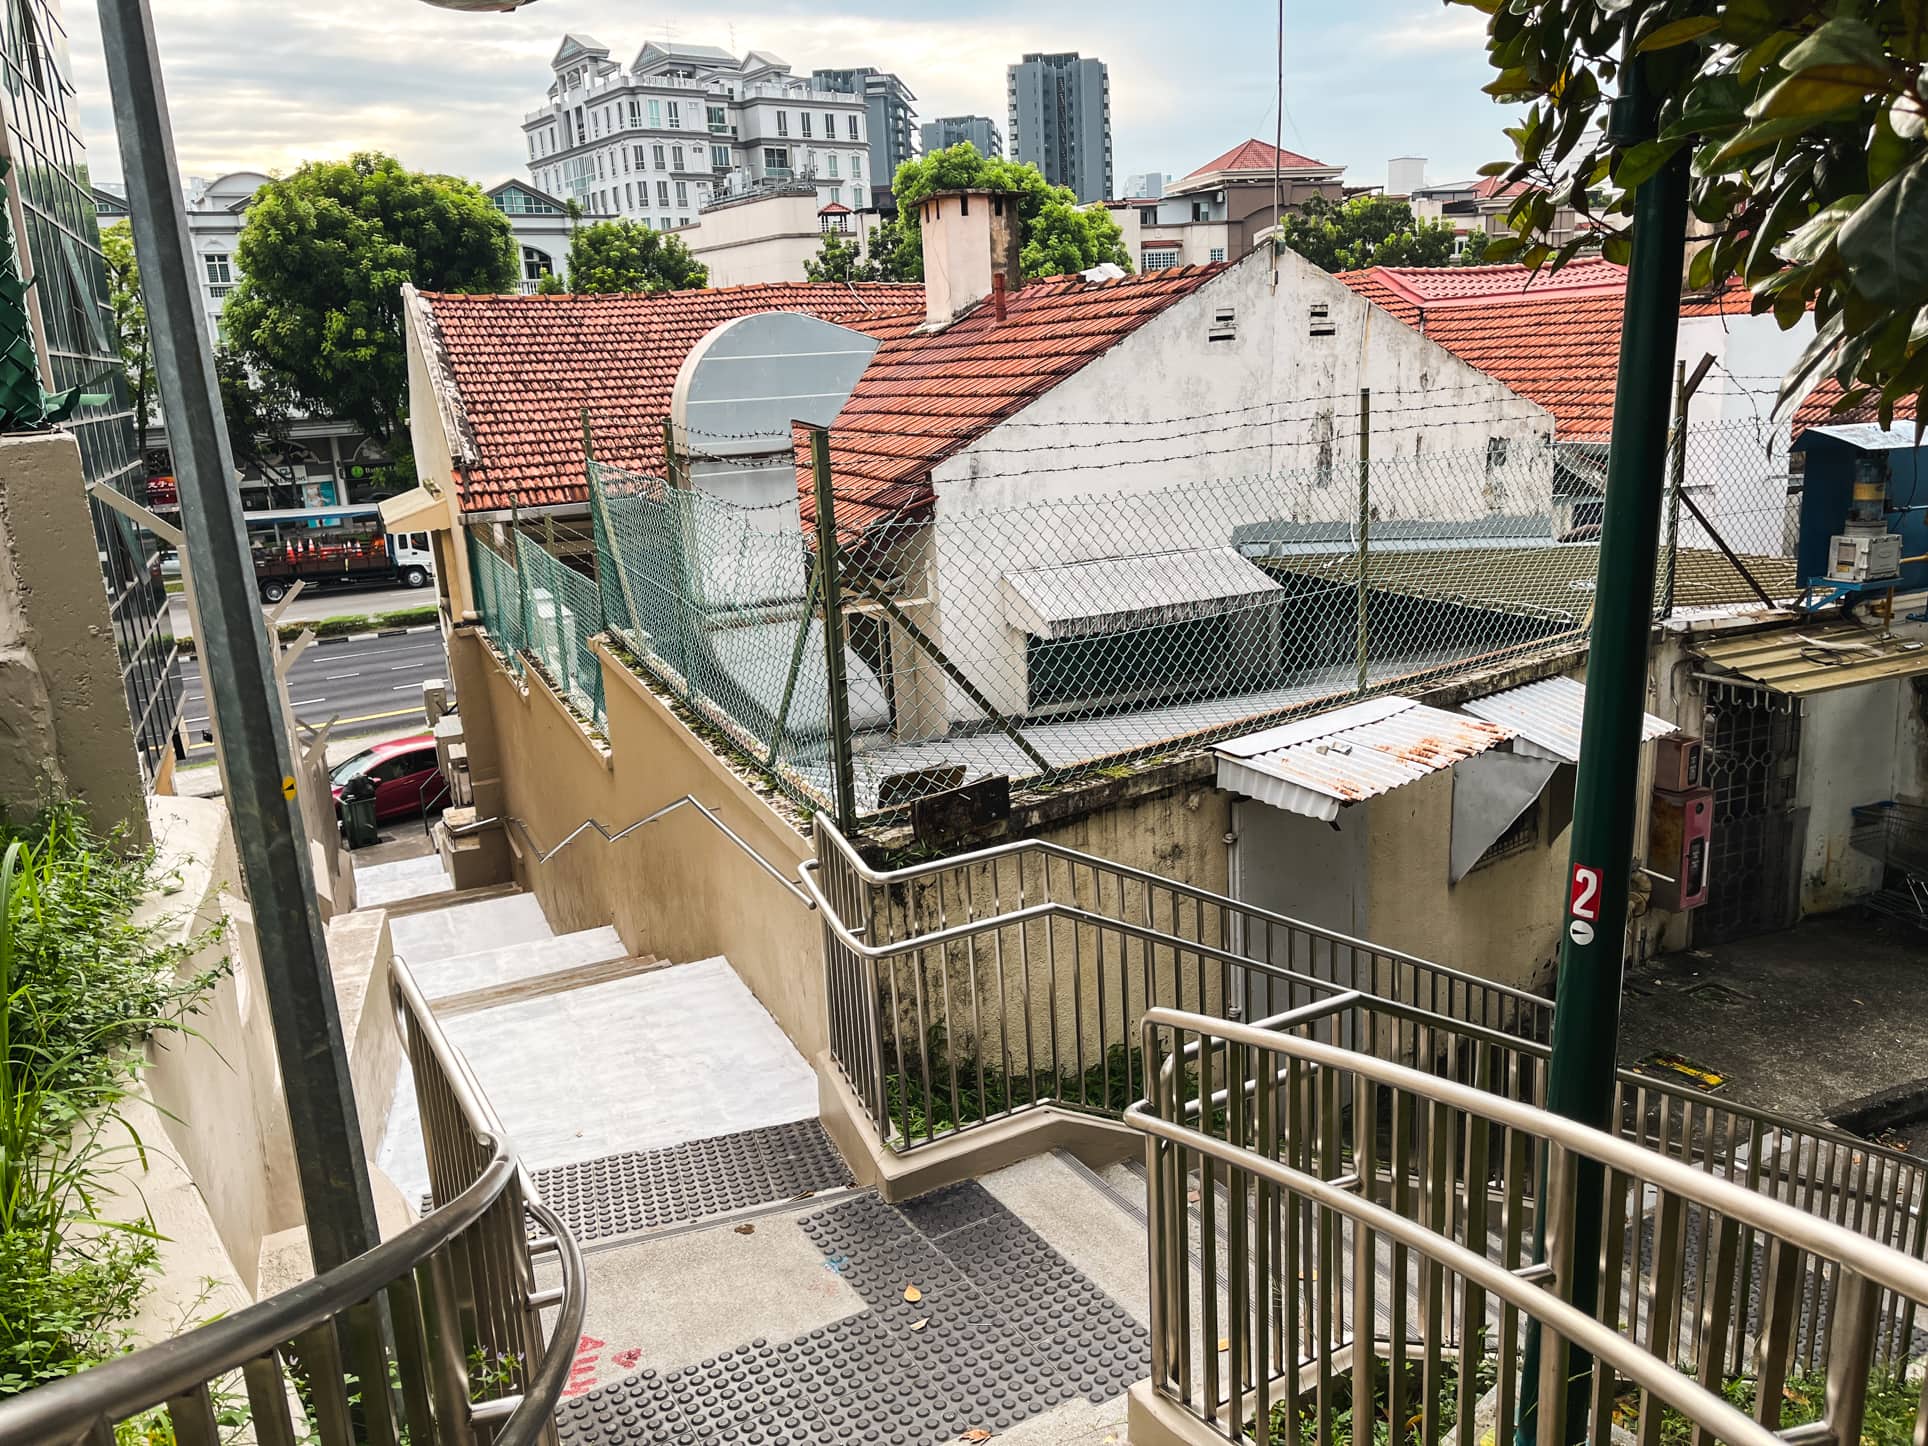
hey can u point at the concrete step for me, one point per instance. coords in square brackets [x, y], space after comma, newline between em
[544, 971]
[401, 881]
[471, 927]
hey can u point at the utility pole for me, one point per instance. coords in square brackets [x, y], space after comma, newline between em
[258, 772]
[1586, 1014]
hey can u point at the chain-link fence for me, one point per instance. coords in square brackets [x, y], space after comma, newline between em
[1069, 634]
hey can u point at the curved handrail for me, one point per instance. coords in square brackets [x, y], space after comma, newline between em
[1681, 1392]
[1880, 1264]
[551, 1375]
[912, 872]
[63, 1409]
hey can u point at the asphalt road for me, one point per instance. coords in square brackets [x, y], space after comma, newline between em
[368, 684]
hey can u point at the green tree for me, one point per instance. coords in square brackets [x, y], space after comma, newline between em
[888, 252]
[1805, 125]
[629, 256]
[258, 410]
[1057, 236]
[1364, 231]
[130, 324]
[840, 259]
[324, 256]
[1476, 252]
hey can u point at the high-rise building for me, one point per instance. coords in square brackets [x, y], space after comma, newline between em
[891, 113]
[60, 248]
[687, 124]
[1060, 114]
[980, 130]
[1145, 186]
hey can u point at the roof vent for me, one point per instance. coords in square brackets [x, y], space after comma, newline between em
[1322, 323]
[1224, 324]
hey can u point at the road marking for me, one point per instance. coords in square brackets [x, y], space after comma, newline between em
[378, 717]
[404, 687]
[335, 677]
[305, 702]
[397, 667]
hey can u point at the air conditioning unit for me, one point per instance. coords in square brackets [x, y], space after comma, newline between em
[1679, 837]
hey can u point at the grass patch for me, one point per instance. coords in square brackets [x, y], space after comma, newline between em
[345, 625]
[1888, 1421]
[985, 1091]
[82, 986]
[1344, 1429]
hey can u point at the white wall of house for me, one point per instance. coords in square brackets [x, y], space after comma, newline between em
[1129, 489]
[1737, 462]
[762, 240]
[1199, 243]
[1859, 745]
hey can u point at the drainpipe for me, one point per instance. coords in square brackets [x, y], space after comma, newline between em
[1586, 1016]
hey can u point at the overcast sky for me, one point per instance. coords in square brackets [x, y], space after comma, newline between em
[266, 84]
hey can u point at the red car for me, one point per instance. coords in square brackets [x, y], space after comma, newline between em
[404, 774]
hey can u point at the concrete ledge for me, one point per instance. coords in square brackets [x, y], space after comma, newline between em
[977, 1151]
[1154, 1421]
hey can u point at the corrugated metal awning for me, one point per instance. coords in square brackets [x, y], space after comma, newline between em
[1316, 765]
[1117, 594]
[1815, 658]
[1545, 718]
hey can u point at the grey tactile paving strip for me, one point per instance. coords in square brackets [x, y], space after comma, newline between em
[1013, 1330]
[650, 1189]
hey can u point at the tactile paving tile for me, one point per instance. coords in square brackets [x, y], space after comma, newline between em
[649, 1189]
[1011, 1330]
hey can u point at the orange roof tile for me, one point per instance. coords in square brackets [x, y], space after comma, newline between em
[1257, 155]
[924, 397]
[524, 367]
[1558, 345]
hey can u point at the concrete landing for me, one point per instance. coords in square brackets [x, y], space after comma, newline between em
[524, 964]
[472, 928]
[641, 1063]
[393, 882]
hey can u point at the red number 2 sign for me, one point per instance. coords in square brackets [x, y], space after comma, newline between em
[1585, 901]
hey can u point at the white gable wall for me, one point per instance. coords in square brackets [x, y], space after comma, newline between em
[1191, 483]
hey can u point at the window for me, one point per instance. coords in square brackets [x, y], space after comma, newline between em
[535, 265]
[719, 119]
[719, 158]
[682, 193]
[783, 122]
[1160, 258]
[857, 197]
[856, 167]
[829, 125]
[805, 118]
[595, 122]
[656, 115]
[662, 193]
[675, 116]
[641, 163]
[625, 160]
[635, 114]
[676, 159]
[658, 150]
[599, 166]
[776, 160]
[852, 118]
[833, 165]
[582, 126]
[220, 269]
[682, 220]
[836, 194]
[1218, 253]
[1520, 835]
[629, 196]
[1496, 448]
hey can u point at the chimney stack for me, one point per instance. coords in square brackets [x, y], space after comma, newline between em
[971, 248]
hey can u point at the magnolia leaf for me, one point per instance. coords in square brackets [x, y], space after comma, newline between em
[1843, 40]
[920, 1322]
[1755, 137]
[1881, 244]
[1617, 248]
[913, 1294]
[1677, 32]
[1810, 94]
[1887, 152]
[1908, 117]
[1816, 233]
[976, 1433]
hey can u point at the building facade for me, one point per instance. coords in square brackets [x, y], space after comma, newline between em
[950, 130]
[686, 124]
[59, 243]
[1060, 120]
[1240, 189]
[892, 115]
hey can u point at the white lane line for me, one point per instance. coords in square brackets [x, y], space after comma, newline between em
[405, 687]
[190, 722]
[305, 702]
[337, 677]
[397, 667]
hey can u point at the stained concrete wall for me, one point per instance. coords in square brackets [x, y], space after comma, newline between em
[678, 889]
[1859, 745]
[63, 707]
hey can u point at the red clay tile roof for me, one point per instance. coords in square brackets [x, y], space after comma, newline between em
[1488, 187]
[1259, 156]
[1558, 346]
[924, 397]
[523, 368]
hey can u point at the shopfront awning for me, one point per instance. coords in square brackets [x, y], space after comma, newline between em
[1122, 594]
[1812, 657]
[1317, 765]
[1544, 718]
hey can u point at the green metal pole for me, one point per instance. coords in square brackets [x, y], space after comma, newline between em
[844, 785]
[1586, 1015]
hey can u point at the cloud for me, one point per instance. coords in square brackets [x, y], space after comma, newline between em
[1437, 30]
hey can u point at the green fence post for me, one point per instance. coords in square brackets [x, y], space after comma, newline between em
[1586, 1016]
[844, 788]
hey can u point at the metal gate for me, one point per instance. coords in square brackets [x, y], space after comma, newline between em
[1753, 740]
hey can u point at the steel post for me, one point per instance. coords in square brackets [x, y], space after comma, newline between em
[259, 774]
[1363, 639]
[1586, 1016]
[844, 784]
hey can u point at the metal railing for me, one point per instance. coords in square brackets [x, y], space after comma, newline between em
[435, 1336]
[972, 988]
[1332, 1231]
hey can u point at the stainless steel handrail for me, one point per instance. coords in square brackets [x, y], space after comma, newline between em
[854, 861]
[590, 825]
[177, 1373]
[1432, 1170]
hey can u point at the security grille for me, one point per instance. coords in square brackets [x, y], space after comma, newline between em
[1753, 741]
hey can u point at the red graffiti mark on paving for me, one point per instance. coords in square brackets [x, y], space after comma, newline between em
[582, 1374]
[626, 1360]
